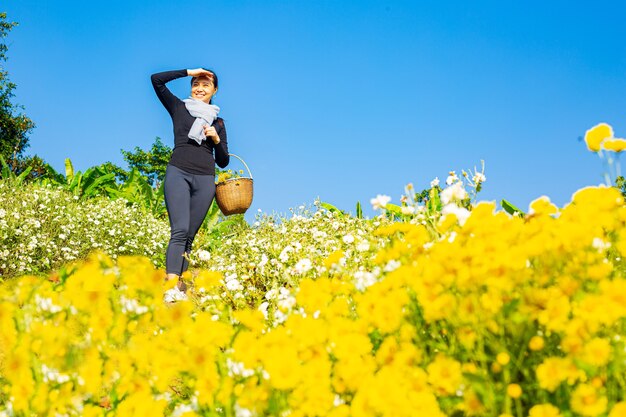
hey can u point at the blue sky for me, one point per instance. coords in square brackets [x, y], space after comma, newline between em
[337, 100]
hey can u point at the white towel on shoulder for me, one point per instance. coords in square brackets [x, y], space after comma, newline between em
[204, 113]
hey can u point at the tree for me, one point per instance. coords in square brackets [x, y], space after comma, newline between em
[14, 128]
[121, 175]
[151, 164]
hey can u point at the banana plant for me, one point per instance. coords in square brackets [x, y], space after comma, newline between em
[53, 177]
[8, 174]
[95, 181]
[137, 189]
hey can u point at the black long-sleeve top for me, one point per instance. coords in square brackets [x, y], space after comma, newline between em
[187, 154]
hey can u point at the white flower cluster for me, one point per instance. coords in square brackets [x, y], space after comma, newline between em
[264, 260]
[282, 299]
[238, 368]
[232, 283]
[380, 201]
[243, 412]
[182, 409]
[53, 375]
[453, 198]
[364, 279]
[132, 306]
[45, 304]
[43, 227]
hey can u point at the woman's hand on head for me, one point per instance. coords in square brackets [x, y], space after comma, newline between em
[198, 72]
[210, 132]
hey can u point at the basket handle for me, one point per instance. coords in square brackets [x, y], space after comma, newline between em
[246, 165]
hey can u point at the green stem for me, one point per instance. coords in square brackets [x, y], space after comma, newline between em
[518, 407]
[507, 380]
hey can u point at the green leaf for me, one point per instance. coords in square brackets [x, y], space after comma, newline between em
[113, 192]
[434, 201]
[330, 207]
[74, 185]
[90, 191]
[158, 204]
[6, 171]
[359, 210]
[130, 181]
[212, 216]
[69, 170]
[510, 307]
[225, 225]
[23, 175]
[89, 177]
[510, 208]
[394, 209]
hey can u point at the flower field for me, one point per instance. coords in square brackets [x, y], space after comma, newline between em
[441, 308]
[43, 227]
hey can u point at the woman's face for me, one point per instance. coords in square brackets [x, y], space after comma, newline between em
[202, 89]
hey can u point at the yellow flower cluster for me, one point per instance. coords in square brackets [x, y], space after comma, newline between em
[228, 174]
[601, 137]
[223, 176]
[501, 282]
[500, 316]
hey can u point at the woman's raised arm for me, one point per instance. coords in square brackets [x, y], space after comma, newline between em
[159, 79]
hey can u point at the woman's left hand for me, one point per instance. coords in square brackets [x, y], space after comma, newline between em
[210, 132]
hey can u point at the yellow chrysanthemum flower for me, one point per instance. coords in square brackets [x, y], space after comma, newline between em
[503, 358]
[597, 352]
[514, 390]
[536, 343]
[552, 372]
[542, 205]
[587, 401]
[618, 410]
[615, 145]
[544, 410]
[444, 374]
[333, 259]
[252, 319]
[596, 135]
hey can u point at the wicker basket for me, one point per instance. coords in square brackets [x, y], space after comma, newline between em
[234, 196]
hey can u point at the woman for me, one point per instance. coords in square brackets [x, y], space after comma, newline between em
[189, 184]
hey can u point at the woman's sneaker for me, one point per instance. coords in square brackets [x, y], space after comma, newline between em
[174, 294]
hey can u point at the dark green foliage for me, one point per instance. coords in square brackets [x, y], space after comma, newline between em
[620, 184]
[37, 167]
[9, 175]
[150, 164]
[14, 127]
[121, 175]
[136, 189]
[425, 194]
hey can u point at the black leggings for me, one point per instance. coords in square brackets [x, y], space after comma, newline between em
[187, 199]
